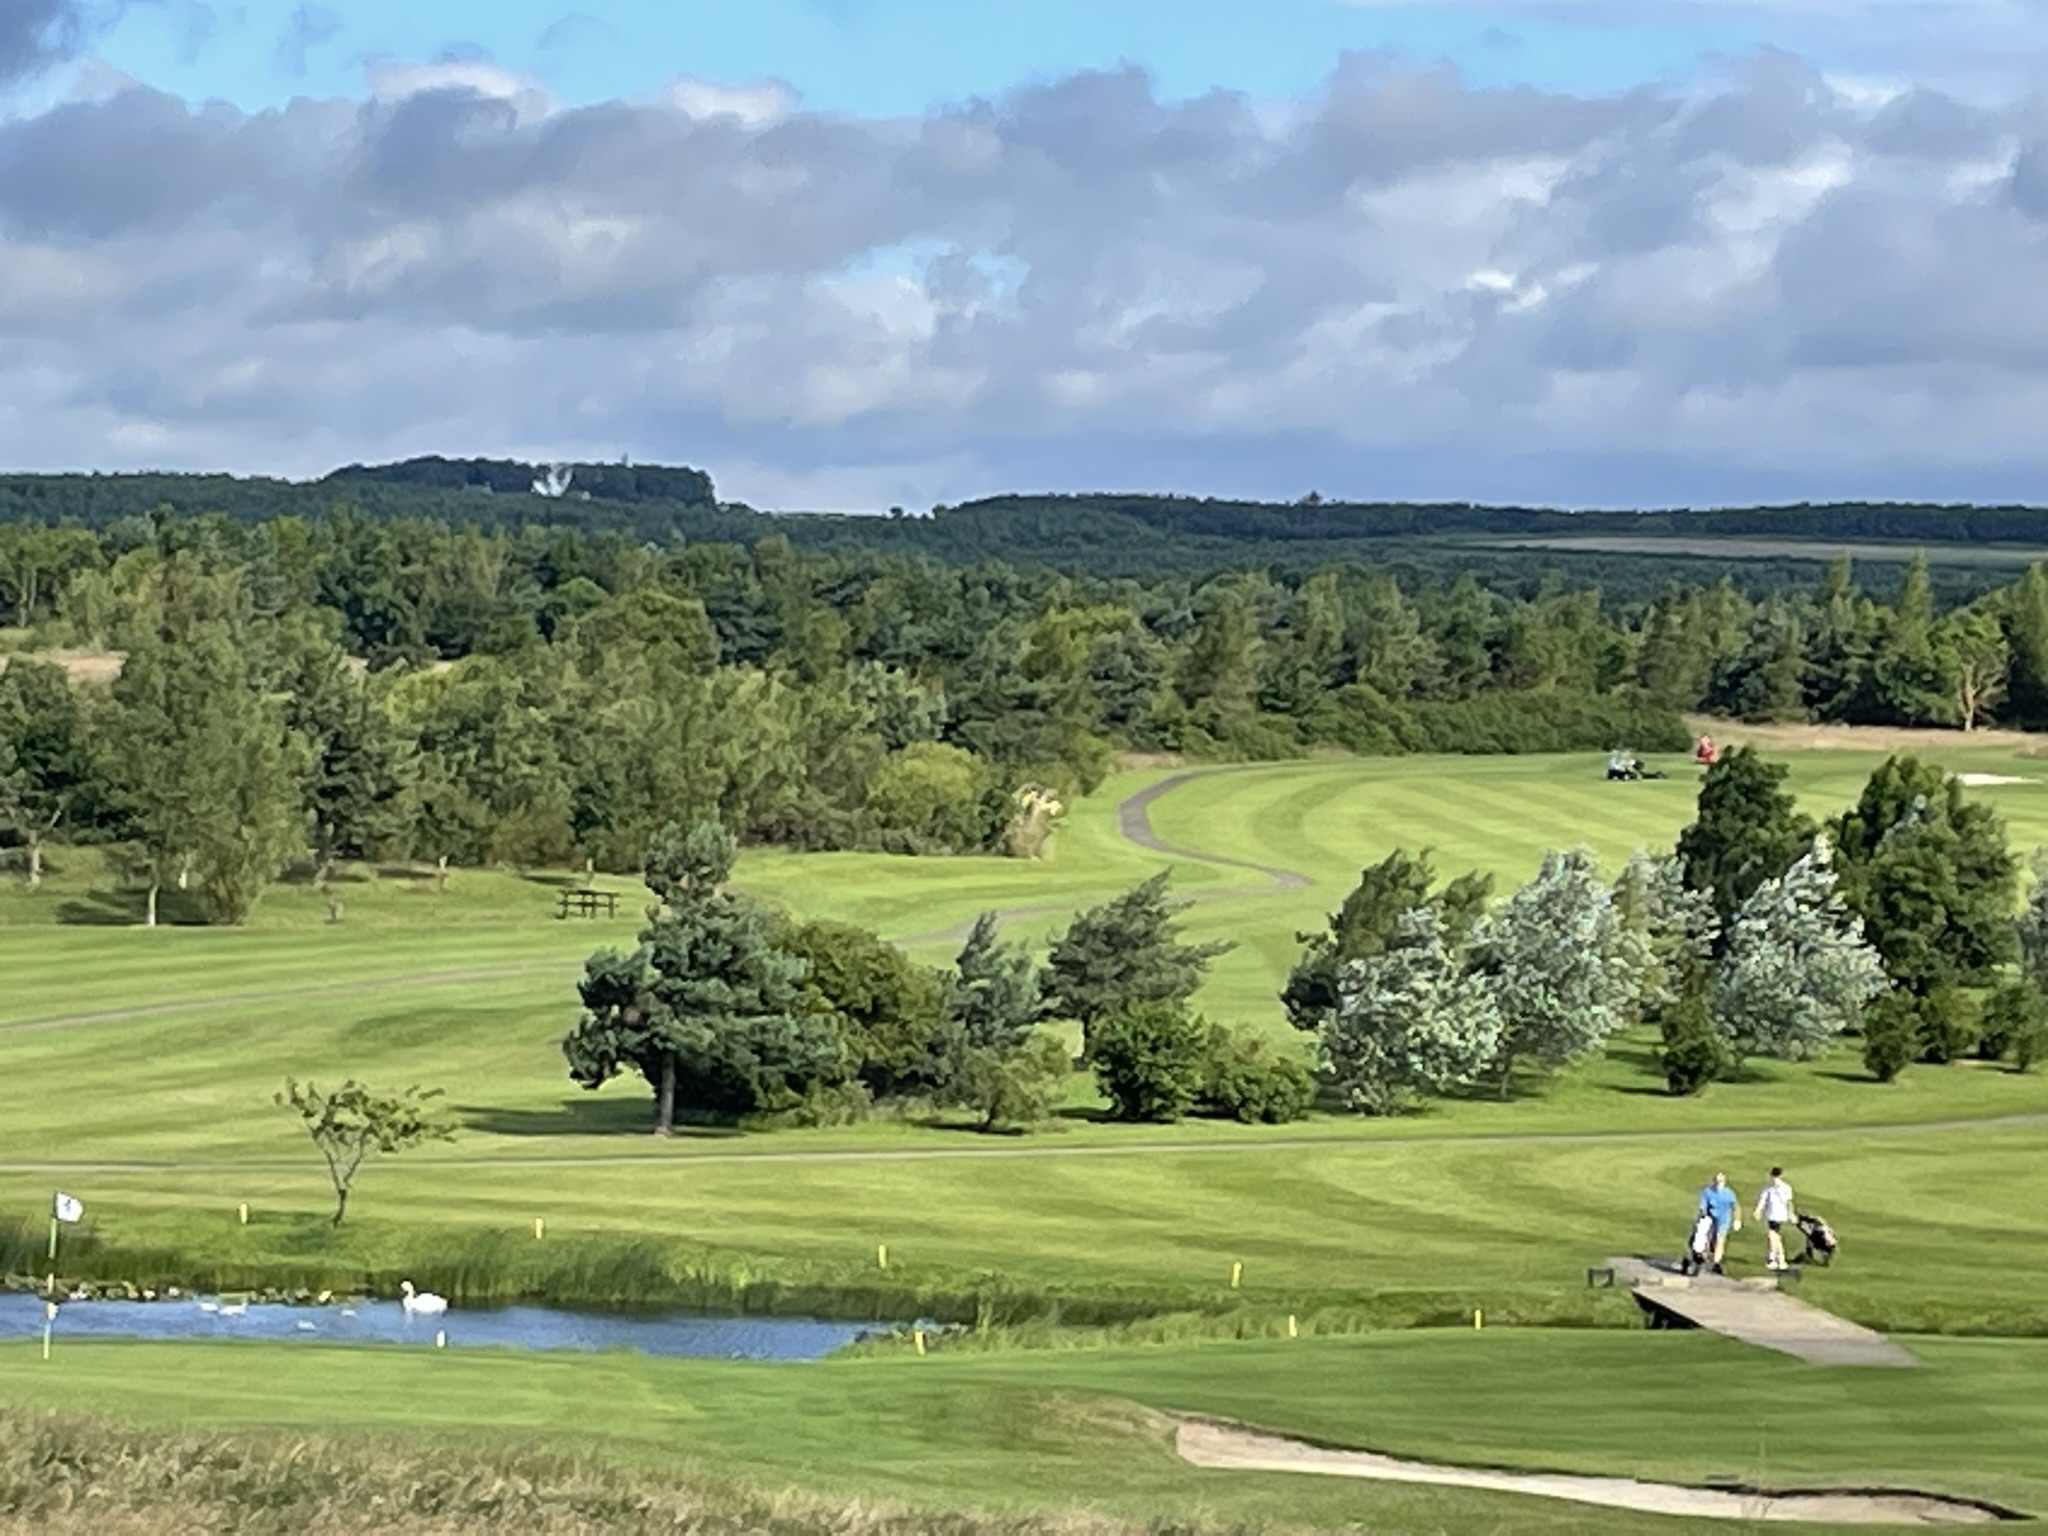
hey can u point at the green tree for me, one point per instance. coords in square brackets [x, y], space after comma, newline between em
[48, 777]
[887, 1007]
[207, 776]
[1747, 830]
[360, 760]
[1366, 922]
[354, 1123]
[1017, 1087]
[1150, 1057]
[1891, 1034]
[1972, 652]
[1121, 954]
[1912, 682]
[1692, 1051]
[932, 797]
[2015, 1025]
[991, 994]
[708, 1009]
[1928, 871]
[1250, 1080]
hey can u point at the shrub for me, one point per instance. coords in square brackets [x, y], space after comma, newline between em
[2015, 1025]
[1891, 1034]
[1694, 1052]
[1251, 1081]
[1151, 1060]
[1948, 1025]
[1017, 1087]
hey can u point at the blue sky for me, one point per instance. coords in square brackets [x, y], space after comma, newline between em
[891, 57]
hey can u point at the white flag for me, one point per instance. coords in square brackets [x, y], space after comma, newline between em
[69, 1208]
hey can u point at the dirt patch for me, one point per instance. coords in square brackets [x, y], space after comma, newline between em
[1860, 738]
[81, 666]
[1205, 1443]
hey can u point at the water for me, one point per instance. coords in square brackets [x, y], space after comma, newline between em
[386, 1322]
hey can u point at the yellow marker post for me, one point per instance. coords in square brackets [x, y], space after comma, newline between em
[1290, 1326]
[242, 1213]
[540, 1228]
[1478, 1318]
[882, 1255]
[1236, 1274]
[917, 1339]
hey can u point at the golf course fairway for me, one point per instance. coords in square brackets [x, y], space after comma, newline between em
[1089, 1264]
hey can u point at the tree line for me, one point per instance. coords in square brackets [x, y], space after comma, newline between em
[320, 689]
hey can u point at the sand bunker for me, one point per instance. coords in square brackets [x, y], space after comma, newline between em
[1208, 1444]
[1975, 780]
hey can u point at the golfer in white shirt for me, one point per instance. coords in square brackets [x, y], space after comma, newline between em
[1774, 1210]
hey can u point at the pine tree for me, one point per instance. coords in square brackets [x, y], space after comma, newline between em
[1748, 830]
[991, 994]
[1123, 953]
[1928, 871]
[708, 1009]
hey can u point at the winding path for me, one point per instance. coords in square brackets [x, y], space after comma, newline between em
[1134, 825]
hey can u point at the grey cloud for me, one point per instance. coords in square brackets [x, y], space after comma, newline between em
[1423, 287]
[308, 27]
[35, 33]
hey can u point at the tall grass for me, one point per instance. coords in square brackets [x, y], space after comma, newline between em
[64, 1475]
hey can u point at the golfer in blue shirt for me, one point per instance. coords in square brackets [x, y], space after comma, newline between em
[1719, 1202]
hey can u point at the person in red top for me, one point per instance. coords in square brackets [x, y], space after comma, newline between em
[1706, 753]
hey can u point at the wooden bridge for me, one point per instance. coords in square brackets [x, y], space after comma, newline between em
[1754, 1311]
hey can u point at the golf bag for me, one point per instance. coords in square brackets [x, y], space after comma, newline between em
[1821, 1242]
[1699, 1245]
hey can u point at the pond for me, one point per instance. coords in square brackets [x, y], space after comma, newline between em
[386, 1322]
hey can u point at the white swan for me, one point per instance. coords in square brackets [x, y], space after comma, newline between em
[233, 1308]
[423, 1303]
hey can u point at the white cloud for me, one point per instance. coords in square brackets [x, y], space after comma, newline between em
[1399, 286]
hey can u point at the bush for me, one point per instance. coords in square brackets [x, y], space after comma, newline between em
[1367, 722]
[1891, 1034]
[1151, 1060]
[1251, 1081]
[1694, 1052]
[1948, 1026]
[1016, 1087]
[2015, 1026]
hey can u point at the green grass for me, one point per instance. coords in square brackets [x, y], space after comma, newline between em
[1046, 1432]
[136, 1070]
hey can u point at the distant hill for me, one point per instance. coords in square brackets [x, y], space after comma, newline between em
[1107, 534]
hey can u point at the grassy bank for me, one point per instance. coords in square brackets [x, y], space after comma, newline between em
[1070, 1441]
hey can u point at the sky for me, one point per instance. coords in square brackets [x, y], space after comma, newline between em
[848, 254]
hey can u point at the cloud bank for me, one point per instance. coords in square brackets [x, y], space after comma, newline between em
[1771, 287]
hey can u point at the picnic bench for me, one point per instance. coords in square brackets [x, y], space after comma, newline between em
[587, 903]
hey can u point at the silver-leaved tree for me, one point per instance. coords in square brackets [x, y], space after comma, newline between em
[1566, 970]
[1411, 1021]
[1796, 971]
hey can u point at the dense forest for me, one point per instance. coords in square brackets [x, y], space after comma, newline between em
[1105, 535]
[308, 688]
